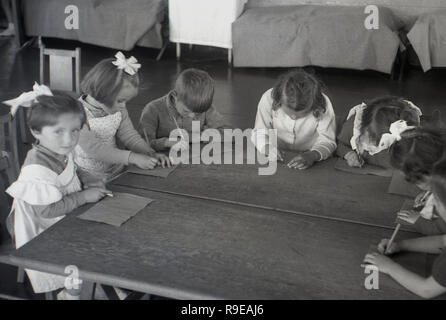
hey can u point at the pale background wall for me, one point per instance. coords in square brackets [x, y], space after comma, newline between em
[406, 9]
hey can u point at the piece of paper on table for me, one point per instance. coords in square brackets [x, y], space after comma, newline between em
[117, 209]
[369, 169]
[156, 172]
[398, 185]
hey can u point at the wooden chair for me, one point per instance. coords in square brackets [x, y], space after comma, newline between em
[9, 144]
[61, 74]
[62, 69]
[9, 159]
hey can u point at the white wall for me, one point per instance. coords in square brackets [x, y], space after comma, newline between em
[406, 9]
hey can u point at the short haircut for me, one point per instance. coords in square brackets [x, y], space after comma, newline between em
[195, 88]
[104, 82]
[381, 112]
[417, 152]
[438, 181]
[301, 90]
[47, 110]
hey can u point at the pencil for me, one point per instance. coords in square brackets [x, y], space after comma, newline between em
[398, 226]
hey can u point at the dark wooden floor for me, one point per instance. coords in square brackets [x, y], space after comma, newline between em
[238, 90]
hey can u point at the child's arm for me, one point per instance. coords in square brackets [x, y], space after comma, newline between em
[263, 122]
[70, 202]
[424, 287]
[149, 122]
[61, 207]
[431, 244]
[95, 148]
[326, 143]
[131, 138]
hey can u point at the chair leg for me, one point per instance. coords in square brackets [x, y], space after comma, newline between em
[20, 275]
[403, 65]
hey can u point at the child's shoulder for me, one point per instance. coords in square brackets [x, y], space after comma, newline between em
[37, 158]
[157, 104]
[36, 184]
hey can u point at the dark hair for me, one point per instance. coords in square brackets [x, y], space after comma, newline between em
[438, 181]
[417, 152]
[301, 90]
[381, 112]
[195, 88]
[104, 81]
[47, 109]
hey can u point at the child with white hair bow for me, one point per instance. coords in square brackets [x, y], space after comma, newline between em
[106, 88]
[49, 185]
[370, 129]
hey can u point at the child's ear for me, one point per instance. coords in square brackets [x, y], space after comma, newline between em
[173, 96]
[35, 133]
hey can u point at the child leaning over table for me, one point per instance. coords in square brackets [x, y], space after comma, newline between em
[303, 117]
[190, 100]
[435, 284]
[106, 89]
[48, 187]
[368, 131]
[416, 155]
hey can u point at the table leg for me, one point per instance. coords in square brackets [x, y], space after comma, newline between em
[230, 56]
[87, 290]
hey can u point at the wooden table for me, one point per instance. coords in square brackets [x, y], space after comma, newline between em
[188, 248]
[320, 191]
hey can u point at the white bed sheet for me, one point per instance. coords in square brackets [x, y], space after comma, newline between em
[204, 22]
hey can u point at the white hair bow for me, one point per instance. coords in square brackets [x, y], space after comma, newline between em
[129, 65]
[26, 99]
[396, 129]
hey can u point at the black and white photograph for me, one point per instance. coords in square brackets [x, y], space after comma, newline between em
[184, 153]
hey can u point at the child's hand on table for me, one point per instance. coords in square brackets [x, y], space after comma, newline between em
[163, 160]
[409, 216]
[353, 159]
[304, 160]
[142, 161]
[382, 247]
[92, 195]
[383, 263]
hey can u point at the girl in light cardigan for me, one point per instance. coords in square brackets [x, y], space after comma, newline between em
[303, 117]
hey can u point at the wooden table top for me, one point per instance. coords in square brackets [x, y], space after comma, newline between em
[187, 248]
[320, 191]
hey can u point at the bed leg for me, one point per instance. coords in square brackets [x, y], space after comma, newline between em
[178, 50]
[403, 65]
[163, 49]
[230, 56]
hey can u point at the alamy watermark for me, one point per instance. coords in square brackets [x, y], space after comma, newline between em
[222, 145]
[371, 282]
[371, 22]
[72, 281]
